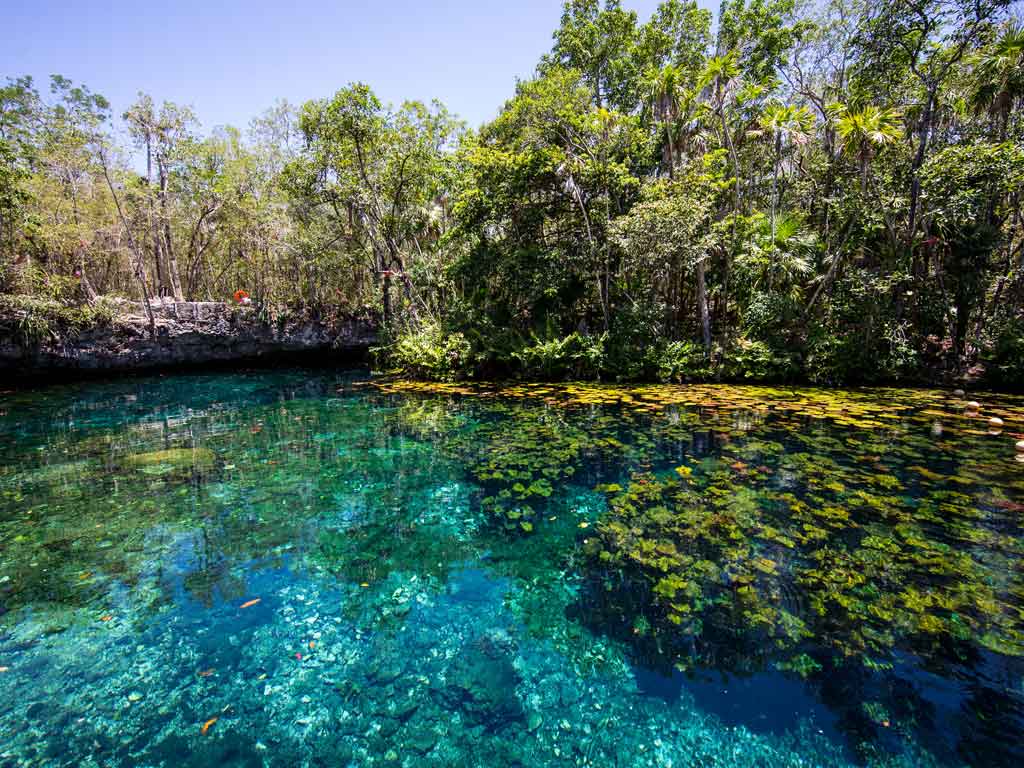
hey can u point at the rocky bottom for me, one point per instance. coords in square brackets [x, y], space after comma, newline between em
[449, 677]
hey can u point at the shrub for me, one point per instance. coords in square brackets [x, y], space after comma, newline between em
[32, 321]
[679, 361]
[747, 359]
[577, 356]
[428, 352]
[1004, 359]
[836, 358]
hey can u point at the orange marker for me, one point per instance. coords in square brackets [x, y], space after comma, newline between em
[250, 604]
[207, 724]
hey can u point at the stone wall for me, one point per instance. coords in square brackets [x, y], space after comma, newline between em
[187, 333]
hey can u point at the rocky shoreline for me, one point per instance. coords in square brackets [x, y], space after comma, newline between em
[184, 334]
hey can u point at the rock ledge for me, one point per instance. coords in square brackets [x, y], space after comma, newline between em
[187, 333]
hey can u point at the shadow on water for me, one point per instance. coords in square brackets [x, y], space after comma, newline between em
[768, 702]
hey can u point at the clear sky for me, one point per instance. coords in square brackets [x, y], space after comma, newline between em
[230, 60]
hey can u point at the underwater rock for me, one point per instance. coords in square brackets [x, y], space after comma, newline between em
[402, 711]
[534, 721]
[483, 686]
[384, 674]
[421, 741]
[389, 727]
[171, 460]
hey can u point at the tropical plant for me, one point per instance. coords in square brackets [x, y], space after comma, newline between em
[864, 132]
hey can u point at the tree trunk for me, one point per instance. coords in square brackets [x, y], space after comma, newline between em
[87, 290]
[702, 303]
[775, 181]
[669, 147]
[153, 224]
[168, 245]
[139, 270]
[385, 289]
[924, 135]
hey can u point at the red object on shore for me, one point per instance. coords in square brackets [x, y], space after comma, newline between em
[241, 296]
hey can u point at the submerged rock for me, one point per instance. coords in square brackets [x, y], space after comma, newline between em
[482, 686]
[534, 721]
[422, 741]
[171, 460]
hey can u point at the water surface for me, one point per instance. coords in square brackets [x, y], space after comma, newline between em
[301, 568]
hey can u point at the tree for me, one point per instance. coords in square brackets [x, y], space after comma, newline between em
[19, 108]
[785, 124]
[671, 232]
[998, 77]
[376, 169]
[930, 38]
[161, 133]
[864, 132]
[600, 43]
[668, 97]
[970, 192]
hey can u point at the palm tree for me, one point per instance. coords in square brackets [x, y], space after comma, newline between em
[720, 74]
[717, 85]
[785, 123]
[999, 76]
[863, 132]
[667, 97]
[782, 254]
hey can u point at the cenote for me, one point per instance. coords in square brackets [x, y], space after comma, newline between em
[309, 568]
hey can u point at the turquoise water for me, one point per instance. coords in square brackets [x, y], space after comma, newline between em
[301, 568]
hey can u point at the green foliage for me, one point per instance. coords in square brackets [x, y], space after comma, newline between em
[428, 352]
[33, 321]
[1004, 359]
[572, 357]
[962, 182]
[681, 361]
[752, 360]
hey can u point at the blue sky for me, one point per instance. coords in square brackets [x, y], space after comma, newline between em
[230, 60]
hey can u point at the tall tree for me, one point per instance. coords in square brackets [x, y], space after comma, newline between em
[161, 133]
[930, 38]
[376, 169]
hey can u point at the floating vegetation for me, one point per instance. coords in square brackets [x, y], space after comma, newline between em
[864, 408]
